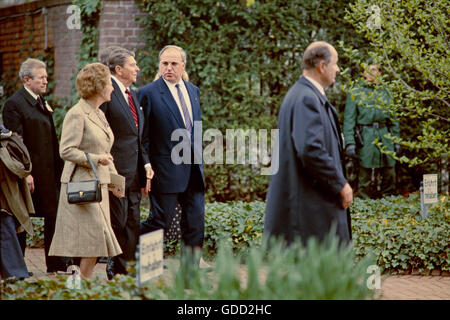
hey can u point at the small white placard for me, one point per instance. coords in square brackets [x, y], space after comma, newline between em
[151, 261]
[430, 183]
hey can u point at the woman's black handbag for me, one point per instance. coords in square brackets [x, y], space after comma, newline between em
[81, 192]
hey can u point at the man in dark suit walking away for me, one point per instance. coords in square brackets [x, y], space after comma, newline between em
[310, 194]
[125, 116]
[173, 105]
[30, 116]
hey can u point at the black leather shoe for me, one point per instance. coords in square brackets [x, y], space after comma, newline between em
[56, 269]
[110, 269]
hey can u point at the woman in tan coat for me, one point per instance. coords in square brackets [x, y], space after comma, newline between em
[84, 230]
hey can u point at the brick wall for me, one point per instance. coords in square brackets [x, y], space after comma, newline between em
[22, 35]
[67, 44]
[117, 24]
[16, 30]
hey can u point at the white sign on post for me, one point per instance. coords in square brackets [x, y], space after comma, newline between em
[151, 261]
[430, 183]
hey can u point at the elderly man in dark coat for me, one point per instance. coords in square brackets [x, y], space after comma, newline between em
[29, 115]
[309, 195]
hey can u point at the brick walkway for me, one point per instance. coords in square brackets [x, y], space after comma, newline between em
[395, 287]
[414, 287]
[35, 261]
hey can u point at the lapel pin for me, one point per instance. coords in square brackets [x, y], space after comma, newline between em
[48, 107]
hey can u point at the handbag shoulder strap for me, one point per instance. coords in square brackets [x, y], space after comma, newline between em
[90, 163]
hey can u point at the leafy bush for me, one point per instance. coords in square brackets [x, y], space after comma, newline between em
[390, 229]
[238, 224]
[121, 288]
[37, 240]
[320, 271]
[410, 41]
[243, 55]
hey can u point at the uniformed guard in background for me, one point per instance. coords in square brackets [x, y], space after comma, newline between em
[364, 121]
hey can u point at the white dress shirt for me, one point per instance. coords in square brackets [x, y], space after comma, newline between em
[35, 96]
[316, 84]
[125, 96]
[174, 92]
[122, 88]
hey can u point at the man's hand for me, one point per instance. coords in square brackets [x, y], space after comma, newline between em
[346, 195]
[117, 193]
[148, 187]
[30, 182]
[149, 173]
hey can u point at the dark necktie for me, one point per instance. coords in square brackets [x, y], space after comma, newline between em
[187, 117]
[132, 107]
[41, 103]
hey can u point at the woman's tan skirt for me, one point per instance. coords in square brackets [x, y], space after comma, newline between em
[84, 230]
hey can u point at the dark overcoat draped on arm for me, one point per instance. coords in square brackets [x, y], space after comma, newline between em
[303, 199]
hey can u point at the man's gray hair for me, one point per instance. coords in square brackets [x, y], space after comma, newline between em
[117, 57]
[183, 53]
[313, 55]
[103, 55]
[26, 69]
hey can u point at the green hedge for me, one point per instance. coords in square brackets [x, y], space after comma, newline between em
[243, 55]
[321, 271]
[239, 224]
[390, 229]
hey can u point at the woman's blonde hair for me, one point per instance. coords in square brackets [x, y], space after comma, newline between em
[92, 80]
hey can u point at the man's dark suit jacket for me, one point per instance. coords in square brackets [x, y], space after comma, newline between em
[129, 156]
[303, 199]
[163, 117]
[23, 114]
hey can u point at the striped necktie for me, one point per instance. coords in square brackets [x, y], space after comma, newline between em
[187, 117]
[132, 107]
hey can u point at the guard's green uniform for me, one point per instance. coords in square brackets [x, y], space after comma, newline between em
[361, 110]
